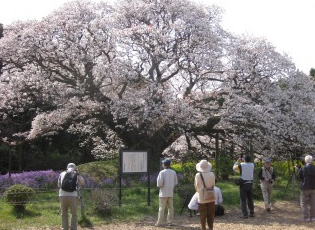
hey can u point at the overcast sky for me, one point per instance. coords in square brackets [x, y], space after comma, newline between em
[287, 24]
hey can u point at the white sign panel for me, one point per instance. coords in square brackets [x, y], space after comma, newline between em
[133, 162]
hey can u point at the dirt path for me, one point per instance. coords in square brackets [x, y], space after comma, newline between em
[284, 216]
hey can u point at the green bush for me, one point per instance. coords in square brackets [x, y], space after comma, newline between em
[18, 195]
[224, 168]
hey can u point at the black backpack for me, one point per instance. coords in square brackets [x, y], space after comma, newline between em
[69, 182]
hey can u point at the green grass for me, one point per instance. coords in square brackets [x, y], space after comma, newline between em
[44, 210]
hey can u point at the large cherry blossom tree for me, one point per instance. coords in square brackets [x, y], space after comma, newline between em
[142, 73]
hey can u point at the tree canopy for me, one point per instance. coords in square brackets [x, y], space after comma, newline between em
[140, 74]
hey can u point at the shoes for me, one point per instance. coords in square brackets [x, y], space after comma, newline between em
[268, 209]
[313, 219]
[251, 215]
[307, 219]
[244, 217]
[159, 225]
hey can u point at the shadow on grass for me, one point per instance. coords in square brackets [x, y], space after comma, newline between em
[25, 214]
[85, 223]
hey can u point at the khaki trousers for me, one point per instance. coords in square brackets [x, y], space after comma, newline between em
[266, 189]
[206, 213]
[72, 203]
[163, 202]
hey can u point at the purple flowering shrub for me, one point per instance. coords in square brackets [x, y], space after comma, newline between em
[46, 180]
[33, 179]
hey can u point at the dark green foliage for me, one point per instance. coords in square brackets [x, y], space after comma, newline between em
[312, 72]
[18, 195]
[224, 168]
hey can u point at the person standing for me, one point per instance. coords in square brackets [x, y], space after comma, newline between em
[267, 177]
[68, 182]
[166, 181]
[205, 178]
[246, 171]
[306, 176]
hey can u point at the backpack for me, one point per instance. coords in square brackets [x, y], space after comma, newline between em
[69, 182]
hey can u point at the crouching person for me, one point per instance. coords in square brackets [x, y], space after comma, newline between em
[68, 183]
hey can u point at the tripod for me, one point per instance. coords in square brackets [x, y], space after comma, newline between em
[292, 180]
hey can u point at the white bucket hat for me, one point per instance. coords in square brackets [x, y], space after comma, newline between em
[71, 166]
[203, 166]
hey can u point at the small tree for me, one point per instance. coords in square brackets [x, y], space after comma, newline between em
[18, 195]
[312, 72]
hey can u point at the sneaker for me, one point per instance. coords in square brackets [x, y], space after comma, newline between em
[244, 217]
[159, 225]
[268, 209]
[307, 219]
[313, 219]
[251, 215]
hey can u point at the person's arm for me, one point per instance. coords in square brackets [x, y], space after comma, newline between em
[300, 174]
[198, 186]
[236, 167]
[59, 181]
[160, 181]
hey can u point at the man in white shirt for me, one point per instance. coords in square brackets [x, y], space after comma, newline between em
[246, 171]
[166, 181]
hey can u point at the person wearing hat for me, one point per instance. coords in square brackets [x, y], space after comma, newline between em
[69, 198]
[267, 177]
[166, 181]
[205, 178]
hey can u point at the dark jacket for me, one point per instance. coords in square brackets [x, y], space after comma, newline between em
[307, 177]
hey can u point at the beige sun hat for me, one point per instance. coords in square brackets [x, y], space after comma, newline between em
[203, 166]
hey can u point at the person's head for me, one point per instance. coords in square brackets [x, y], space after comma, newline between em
[247, 158]
[203, 166]
[166, 163]
[71, 167]
[308, 159]
[267, 162]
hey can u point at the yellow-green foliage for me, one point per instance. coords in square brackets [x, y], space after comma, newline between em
[187, 169]
[100, 169]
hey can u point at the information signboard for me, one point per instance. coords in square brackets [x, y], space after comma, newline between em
[134, 161]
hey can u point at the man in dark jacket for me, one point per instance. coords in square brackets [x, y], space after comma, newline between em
[307, 188]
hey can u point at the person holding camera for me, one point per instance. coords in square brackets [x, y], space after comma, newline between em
[245, 168]
[267, 177]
